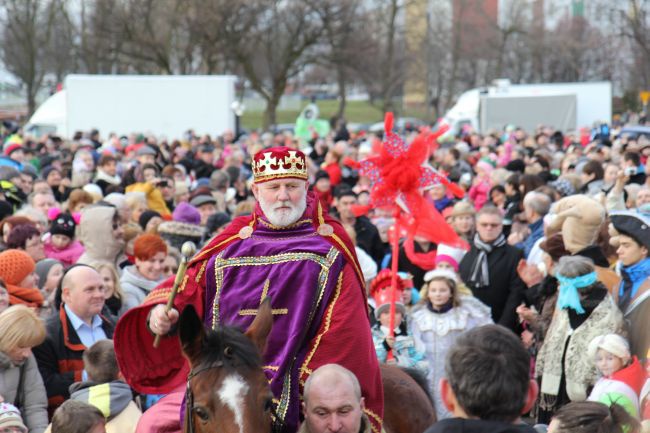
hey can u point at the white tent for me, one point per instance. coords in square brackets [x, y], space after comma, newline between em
[50, 116]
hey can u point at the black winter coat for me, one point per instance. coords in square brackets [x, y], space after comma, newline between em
[506, 289]
[59, 357]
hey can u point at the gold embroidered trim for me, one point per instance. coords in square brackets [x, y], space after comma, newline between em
[270, 260]
[377, 418]
[209, 250]
[271, 367]
[201, 271]
[290, 226]
[328, 320]
[352, 256]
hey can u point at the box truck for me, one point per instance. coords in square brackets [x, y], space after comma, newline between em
[162, 105]
[563, 106]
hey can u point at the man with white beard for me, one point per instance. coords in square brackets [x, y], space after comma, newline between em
[290, 250]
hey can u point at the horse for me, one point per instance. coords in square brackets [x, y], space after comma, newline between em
[227, 390]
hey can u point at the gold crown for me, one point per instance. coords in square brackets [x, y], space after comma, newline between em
[288, 163]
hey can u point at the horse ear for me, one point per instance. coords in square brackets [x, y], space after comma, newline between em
[259, 330]
[191, 333]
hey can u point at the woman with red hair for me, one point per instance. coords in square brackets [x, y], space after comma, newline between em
[138, 280]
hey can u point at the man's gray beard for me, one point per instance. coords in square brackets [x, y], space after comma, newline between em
[283, 220]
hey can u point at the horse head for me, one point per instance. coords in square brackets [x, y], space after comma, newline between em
[227, 390]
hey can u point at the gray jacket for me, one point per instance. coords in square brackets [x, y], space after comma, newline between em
[33, 395]
[135, 287]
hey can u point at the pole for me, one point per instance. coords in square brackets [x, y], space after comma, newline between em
[393, 282]
[187, 251]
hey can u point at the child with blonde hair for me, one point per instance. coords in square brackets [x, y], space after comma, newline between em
[622, 374]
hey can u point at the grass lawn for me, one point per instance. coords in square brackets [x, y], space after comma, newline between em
[355, 112]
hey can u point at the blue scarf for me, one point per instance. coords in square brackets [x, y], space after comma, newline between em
[569, 297]
[634, 276]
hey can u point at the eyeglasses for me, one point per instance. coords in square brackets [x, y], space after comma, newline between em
[170, 270]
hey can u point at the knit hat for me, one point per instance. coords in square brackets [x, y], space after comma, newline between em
[579, 218]
[612, 343]
[449, 254]
[186, 213]
[43, 269]
[516, 165]
[463, 208]
[10, 148]
[216, 221]
[146, 216]
[63, 224]
[15, 265]
[10, 417]
[564, 187]
[485, 166]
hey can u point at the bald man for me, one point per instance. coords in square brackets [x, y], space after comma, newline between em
[332, 402]
[77, 324]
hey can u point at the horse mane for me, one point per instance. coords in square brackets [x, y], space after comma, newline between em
[420, 379]
[229, 345]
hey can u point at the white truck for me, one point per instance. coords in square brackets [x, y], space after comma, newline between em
[162, 105]
[563, 106]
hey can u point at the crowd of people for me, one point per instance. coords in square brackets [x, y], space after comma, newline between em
[555, 234]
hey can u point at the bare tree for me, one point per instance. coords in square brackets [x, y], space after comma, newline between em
[270, 41]
[27, 27]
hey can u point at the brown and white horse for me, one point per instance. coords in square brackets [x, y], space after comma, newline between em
[227, 390]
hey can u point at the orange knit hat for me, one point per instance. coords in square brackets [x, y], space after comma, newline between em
[15, 265]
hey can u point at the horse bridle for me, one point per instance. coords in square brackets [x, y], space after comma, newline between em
[189, 399]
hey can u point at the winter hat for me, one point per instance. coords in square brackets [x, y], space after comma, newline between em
[463, 208]
[15, 265]
[321, 174]
[449, 254]
[579, 218]
[216, 221]
[62, 223]
[564, 187]
[186, 213]
[10, 417]
[176, 233]
[612, 343]
[43, 268]
[94, 190]
[633, 224]
[440, 273]
[485, 166]
[516, 165]
[146, 216]
[10, 148]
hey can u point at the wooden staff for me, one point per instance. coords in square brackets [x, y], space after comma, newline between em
[187, 251]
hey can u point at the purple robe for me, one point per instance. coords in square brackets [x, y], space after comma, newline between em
[299, 270]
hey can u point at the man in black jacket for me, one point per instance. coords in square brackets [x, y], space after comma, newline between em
[76, 326]
[367, 234]
[487, 385]
[489, 269]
